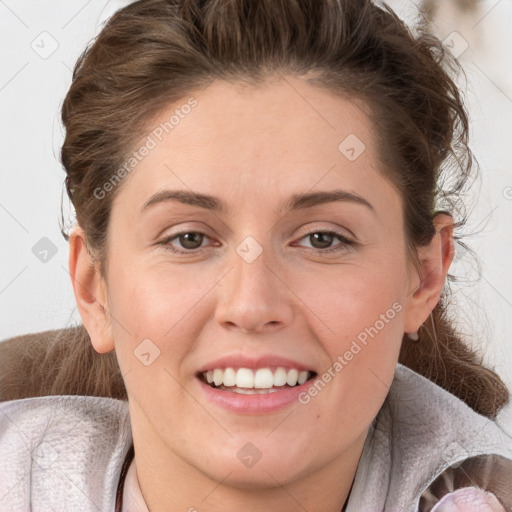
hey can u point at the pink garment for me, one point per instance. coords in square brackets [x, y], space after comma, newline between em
[469, 499]
[133, 501]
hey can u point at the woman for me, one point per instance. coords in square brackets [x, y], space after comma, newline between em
[260, 263]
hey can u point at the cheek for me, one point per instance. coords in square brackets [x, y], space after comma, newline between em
[160, 310]
[153, 301]
[359, 314]
[353, 301]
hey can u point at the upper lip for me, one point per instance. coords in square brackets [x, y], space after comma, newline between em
[263, 361]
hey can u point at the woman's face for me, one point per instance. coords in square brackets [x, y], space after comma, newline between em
[258, 283]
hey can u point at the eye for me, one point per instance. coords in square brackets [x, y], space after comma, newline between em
[190, 241]
[321, 241]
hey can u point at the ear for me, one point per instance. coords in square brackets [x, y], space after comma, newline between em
[435, 260]
[90, 292]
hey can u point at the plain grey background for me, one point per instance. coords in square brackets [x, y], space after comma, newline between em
[40, 42]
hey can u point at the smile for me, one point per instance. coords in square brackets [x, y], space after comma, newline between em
[255, 381]
[254, 390]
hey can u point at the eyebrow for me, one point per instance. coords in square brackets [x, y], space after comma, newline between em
[295, 202]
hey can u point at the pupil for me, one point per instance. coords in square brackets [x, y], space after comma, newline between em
[325, 243]
[187, 243]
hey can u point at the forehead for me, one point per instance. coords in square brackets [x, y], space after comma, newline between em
[282, 137]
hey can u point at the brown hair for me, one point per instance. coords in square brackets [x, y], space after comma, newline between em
[155, 52]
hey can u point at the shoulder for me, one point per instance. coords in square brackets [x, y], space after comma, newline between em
[39, 417]
[62, 448]
[423, 440]
[471, 485]
[423, 416]
[448, 444]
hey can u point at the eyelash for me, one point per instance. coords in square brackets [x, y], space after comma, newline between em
[346, 243]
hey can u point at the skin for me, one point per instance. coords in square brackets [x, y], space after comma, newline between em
[253, 147]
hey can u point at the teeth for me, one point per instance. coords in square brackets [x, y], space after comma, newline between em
[280, 377]
[218, 376]
[263, 378]
[229, 377]
[292, 377]
[244, 378]
[303, 377]
[250, 391]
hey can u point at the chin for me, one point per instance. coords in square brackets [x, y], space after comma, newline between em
[248, 468]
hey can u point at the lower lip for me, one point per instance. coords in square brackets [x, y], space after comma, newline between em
[254, 404]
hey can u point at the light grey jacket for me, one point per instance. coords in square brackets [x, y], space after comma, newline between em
[64, 453]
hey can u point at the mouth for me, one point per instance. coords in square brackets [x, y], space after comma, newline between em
[252, 381]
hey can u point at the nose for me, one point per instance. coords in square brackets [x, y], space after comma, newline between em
[254, 297]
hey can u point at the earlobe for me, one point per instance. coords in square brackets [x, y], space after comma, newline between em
[90, 292]
[435, 260]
